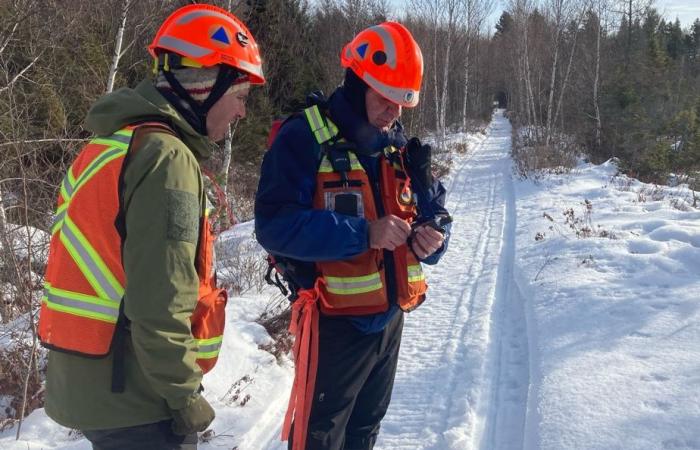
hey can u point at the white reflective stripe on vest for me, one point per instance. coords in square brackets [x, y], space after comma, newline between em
[89, 262]
[81, 305]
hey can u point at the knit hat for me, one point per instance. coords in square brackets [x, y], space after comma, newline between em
[198, 82]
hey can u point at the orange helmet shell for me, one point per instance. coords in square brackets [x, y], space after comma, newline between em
[210, 36]
[389, 60]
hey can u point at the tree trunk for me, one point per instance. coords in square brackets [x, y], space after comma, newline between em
[226, 166]
[118, 47]
[565, 81]
[550, 102]
[435, 82]
[596, 82]
[528, 83]
[629, 35]
[445, 79]
[3, 216]
[465, 99]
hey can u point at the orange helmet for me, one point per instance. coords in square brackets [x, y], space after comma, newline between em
[205, 36]
[389, 60]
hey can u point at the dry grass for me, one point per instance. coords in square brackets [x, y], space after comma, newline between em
[276, 320]
[534, 159]
[15, 363]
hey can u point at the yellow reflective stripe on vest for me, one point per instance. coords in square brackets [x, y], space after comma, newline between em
[89, 262]
[120, 139]
[415, 273]
[209, 348]
[68, 184]
[323, 130]
[353, 285]
[119, 143]
[98, 163]
[80, 304]
[68, 191]
[58, 219]
[327, 167]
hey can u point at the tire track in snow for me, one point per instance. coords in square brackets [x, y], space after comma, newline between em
[414, 408]
[465, 345]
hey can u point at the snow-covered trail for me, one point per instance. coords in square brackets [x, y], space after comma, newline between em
[463, 371]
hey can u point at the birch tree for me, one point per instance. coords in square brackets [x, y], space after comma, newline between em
[582, 8]
[521, 10]
[600, 7]
[444, 17]
[559, 13]
[118, 46]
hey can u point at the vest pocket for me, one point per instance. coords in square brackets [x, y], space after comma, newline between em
[208, 321]
[347, 202]
[354, 286]
[410, 279]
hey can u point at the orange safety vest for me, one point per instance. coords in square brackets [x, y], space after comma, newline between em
[84, 283]
[357, 286]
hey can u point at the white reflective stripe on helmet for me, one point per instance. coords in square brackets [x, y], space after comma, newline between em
[183, 47]
[400, 96]
[255, 69]
[189, 17]
[389, 47]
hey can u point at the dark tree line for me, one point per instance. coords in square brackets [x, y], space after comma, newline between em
[628, 80]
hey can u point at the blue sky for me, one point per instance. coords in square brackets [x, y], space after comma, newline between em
[686, 10]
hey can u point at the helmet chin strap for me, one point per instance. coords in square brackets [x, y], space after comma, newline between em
[226, 76]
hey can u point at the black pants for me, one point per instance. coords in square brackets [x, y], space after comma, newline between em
[353, 384]
[153, 436]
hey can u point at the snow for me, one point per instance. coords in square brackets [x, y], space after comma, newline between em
[26, 238]
[242, 370]
[615, 322]
[586, 337]
[447, 386]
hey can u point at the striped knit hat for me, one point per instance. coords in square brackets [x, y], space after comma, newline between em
[198, 82]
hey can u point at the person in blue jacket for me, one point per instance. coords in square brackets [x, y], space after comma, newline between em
[357, 355]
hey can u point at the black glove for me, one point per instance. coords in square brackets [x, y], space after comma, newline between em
[419, 164]
[316, 98]
[193, 418]
[396, 136]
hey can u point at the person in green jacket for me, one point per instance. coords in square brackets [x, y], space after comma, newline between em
[206, 60]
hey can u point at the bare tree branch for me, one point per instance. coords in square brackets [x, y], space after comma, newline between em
[16, 77]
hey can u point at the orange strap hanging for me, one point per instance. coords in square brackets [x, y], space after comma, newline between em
[222, 202]
[304, 327]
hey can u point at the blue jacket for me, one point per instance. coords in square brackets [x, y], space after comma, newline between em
[287, 225]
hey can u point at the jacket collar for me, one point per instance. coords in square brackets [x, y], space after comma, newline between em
[369, 140]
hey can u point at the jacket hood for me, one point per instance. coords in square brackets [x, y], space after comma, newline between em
[127, 106]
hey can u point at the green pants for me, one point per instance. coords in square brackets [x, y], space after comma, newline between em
[152, 436]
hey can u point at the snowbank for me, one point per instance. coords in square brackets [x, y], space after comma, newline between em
[614, 321]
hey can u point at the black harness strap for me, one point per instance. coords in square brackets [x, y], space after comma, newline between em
[118, 351]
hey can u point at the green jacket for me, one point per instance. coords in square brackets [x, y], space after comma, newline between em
[163, 197]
